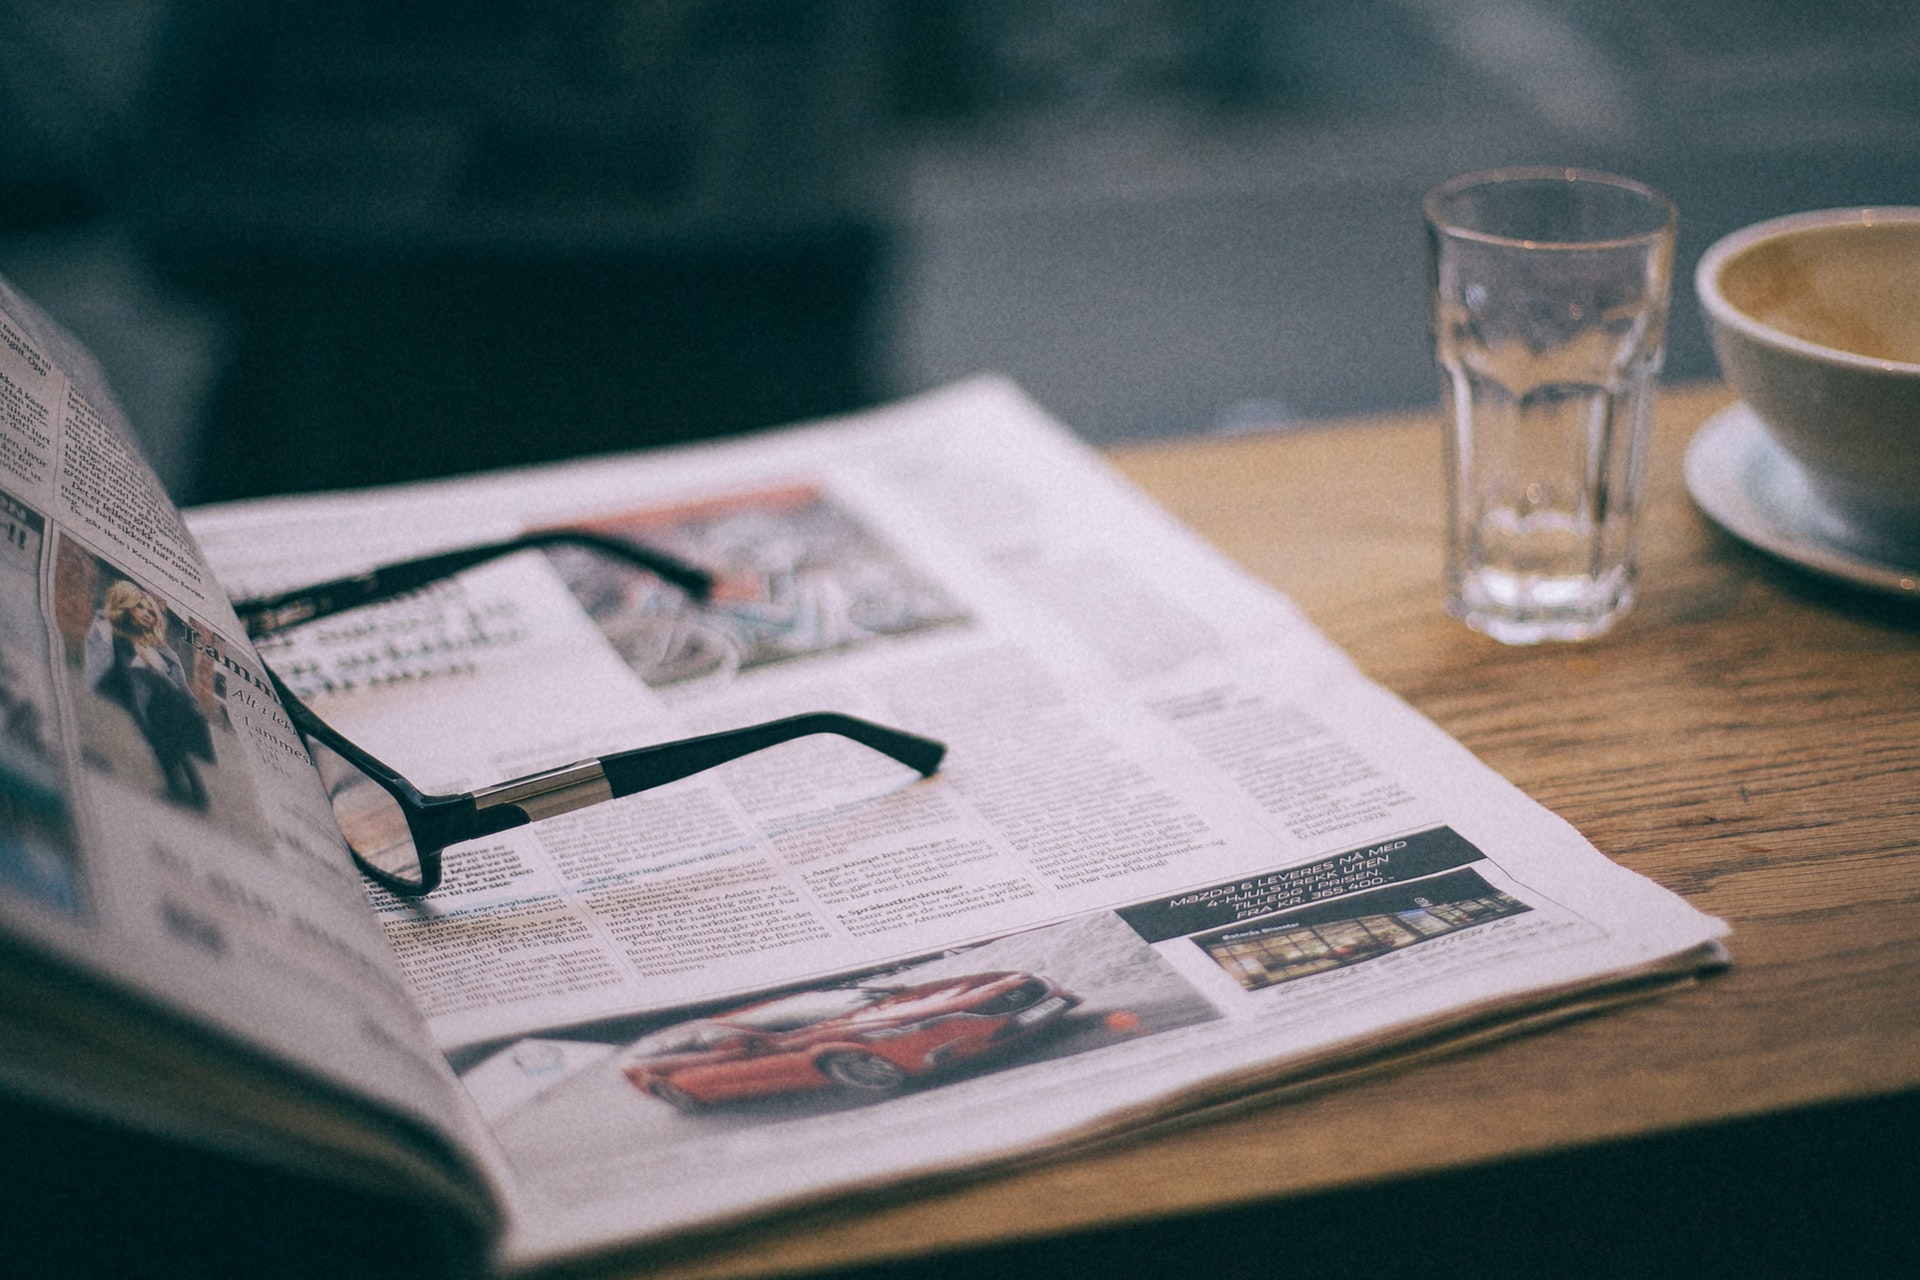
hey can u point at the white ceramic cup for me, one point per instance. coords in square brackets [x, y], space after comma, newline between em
[1815, 318]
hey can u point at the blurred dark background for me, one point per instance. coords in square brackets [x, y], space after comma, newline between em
[326, 242]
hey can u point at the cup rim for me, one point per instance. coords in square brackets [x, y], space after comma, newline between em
[1670, 218]
[1706, 281]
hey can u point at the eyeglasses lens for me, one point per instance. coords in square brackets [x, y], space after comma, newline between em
[372, 820]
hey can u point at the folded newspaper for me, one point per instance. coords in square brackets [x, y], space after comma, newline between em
[1180, 850]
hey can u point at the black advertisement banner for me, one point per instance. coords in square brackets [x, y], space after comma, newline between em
[1369, 867]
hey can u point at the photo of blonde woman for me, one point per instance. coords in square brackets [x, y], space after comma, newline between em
[152, 692]
[128, 660]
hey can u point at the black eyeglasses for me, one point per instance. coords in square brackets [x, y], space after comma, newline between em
[397, 832]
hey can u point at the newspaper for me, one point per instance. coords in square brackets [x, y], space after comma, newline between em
[1179, 848]
[1180, 845]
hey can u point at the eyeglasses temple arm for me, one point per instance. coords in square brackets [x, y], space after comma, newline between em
[632, 771]
[269, 614]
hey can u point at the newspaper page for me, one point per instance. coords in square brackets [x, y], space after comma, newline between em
[163, 828]
[1178, 841]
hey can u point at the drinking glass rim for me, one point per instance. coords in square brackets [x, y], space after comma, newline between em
[1669, 221]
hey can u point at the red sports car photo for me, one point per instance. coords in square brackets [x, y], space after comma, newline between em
[866, 1039]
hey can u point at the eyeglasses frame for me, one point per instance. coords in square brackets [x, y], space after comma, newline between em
[437, 821]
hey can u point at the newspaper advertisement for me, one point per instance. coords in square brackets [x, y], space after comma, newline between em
[1177, 837]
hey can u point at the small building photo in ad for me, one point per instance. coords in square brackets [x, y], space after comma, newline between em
[1311, 940]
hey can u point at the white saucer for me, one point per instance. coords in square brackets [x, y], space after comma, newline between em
[1749, 485]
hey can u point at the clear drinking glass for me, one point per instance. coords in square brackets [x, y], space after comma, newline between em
[1548, 306]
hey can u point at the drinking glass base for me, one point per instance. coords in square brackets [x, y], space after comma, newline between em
[1534, 624]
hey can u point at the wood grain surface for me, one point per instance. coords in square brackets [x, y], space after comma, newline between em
[1748, 736]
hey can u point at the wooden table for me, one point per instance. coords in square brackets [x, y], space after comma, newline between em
[1748, 736]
